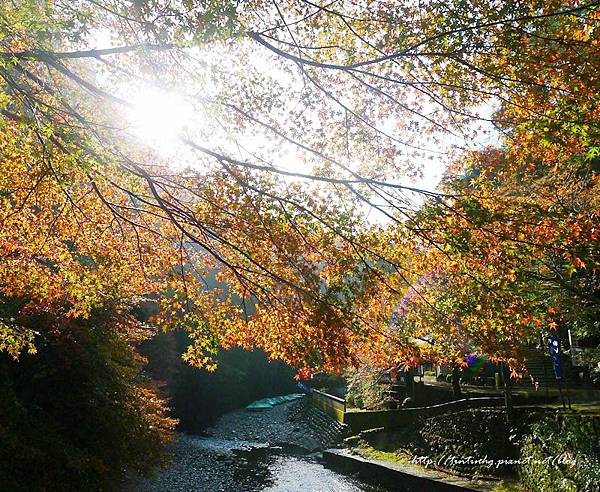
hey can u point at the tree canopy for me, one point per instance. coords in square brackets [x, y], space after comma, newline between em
[292, 178]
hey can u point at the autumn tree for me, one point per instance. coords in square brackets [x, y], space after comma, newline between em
[357, 97]
[512, 247]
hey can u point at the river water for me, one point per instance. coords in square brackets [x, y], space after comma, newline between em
[210, 464]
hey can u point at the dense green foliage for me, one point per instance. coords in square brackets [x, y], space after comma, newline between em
[198, 397]
[77, 414]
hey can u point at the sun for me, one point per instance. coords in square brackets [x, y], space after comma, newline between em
[159, 118]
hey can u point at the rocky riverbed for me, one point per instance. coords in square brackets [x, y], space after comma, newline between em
[272, 427]
[246, 452]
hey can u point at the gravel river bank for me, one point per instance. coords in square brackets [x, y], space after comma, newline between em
[246, 452]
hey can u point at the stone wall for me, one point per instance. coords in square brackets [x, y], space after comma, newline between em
[561, 451]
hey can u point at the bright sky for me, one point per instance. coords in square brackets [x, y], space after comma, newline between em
[159, 117]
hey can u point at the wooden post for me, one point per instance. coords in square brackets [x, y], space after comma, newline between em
[456, 381]
[507, 393]
[562, 398]
[546, 377]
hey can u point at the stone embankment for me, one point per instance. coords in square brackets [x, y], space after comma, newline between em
[328, 431]
[296, 424]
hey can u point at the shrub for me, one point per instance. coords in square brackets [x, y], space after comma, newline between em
[78, 414]
[368, 388]
[561, 454]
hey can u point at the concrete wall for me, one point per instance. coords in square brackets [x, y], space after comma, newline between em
[369, 419]
[391, 477]
[359, 420]
[332, 405]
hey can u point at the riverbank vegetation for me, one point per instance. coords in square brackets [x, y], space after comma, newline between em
[78, 412]
[369, 184]
[545, 451]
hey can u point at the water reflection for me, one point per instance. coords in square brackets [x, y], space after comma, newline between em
[270, 470]
[207, 464]
[252, 470]
[295, 474]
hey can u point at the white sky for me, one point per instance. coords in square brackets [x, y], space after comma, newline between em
[159, 117]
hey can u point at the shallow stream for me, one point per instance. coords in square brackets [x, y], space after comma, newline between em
[209, 464]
